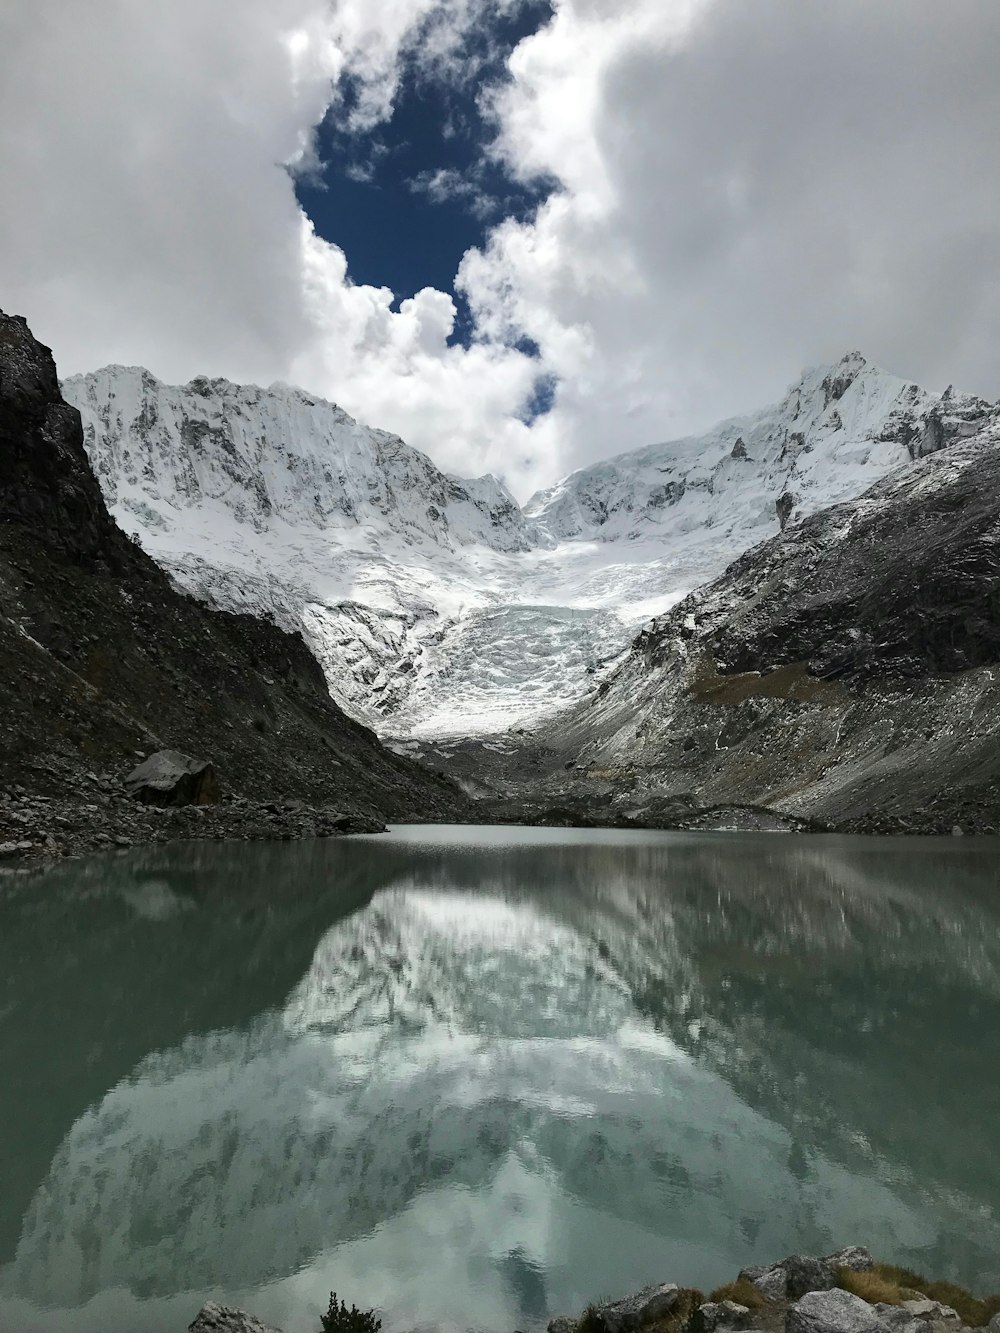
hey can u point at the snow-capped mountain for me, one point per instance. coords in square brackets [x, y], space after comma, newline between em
[835, 432]
[435, 604]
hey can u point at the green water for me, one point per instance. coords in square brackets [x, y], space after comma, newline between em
[477, 1077]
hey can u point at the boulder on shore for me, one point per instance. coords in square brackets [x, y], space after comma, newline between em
[171, 778]
[721, 1315]
[835, 1311]
[641, 1308]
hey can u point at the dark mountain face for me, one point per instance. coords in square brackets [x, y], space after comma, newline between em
[101, 659]
[845, 671]
[45, 480]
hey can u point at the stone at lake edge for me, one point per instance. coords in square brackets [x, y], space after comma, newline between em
[212, 1318]
[642, 1307]
[630, 1313]
[172, 778]
[562, 1323]
[854, 1257]
[721, 1315]
[835, 1311]
[799, 1274]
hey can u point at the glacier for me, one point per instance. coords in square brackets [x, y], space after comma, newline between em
[437, 606]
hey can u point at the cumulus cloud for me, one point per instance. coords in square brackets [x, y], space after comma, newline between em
[747, 187]
[742, 187]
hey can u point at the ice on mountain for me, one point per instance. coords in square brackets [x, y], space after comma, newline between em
[435, 604]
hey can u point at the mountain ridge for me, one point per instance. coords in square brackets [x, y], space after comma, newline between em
[437, 605]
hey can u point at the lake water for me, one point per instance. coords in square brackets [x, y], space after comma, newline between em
[477, 1077]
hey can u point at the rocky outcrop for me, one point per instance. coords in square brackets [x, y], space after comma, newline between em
[214, 1318]
[103, 661]
[802, 1294]
[45, 481]
[633, 1312]
[171, 778]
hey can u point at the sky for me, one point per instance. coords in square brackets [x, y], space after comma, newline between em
[523, 234]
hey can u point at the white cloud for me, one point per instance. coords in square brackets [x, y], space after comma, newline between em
[748, 186]
[743, 186]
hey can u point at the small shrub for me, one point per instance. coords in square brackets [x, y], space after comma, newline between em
[743, 1292]
[682, 1315]
[338, 1319]
[590, 1321]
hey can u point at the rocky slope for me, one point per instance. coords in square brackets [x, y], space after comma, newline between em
[845, 671]
[843, 1292]
[435, 605]
[103, 660]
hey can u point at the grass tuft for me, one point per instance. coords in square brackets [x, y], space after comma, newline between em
[743, 1292]
[871, 1285]
[891, 1285]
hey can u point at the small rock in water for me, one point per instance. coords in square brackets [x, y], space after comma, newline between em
[835, 1311]
[214, 1318]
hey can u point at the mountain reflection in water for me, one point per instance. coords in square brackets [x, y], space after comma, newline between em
[477, 1077]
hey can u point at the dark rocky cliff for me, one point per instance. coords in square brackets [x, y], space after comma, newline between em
[102, 660]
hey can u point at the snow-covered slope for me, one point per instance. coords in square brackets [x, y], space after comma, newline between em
[835, 432]
[435, 604]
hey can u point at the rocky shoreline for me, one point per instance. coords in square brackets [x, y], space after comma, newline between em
[843, 1292]
[37, 829]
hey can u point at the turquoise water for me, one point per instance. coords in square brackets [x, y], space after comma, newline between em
[477, 1077]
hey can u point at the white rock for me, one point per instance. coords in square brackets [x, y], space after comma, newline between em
[835, 1311]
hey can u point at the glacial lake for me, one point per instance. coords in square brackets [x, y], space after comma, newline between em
[478, 1076]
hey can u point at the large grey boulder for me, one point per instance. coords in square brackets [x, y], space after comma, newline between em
[171, 778]
[835, 1311]
[792, 1278]
[214, 1318]
[994, 1325]
[642, 1307]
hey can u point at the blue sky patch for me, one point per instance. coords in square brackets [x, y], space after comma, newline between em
[407, 199]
